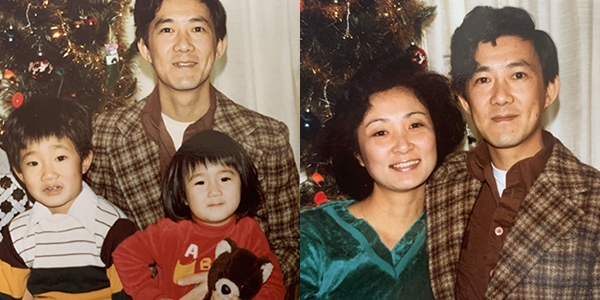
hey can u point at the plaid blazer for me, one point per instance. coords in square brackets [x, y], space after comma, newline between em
[550, 252]
[125, 170]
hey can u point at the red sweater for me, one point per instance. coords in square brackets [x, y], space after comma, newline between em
[183, 248]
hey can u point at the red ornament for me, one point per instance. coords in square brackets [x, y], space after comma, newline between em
[17, 100]
[320, 198]
[301, 5]
[317, 178]
[91, 21]
[418, 55]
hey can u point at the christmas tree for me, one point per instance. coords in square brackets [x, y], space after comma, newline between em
[337, 37]
[64, 48]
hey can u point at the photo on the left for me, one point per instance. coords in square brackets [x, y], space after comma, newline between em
[149, 149]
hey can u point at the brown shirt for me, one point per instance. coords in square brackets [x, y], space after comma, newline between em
[156, 130]
[493, 216]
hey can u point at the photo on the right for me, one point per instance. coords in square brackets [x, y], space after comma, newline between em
[448, 151]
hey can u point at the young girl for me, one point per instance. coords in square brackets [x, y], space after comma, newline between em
[210, 192]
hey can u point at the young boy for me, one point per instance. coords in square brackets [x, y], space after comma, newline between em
[61, 248]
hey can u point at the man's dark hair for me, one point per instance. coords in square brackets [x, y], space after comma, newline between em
[204, 148]
[46, 117]
[486, 24]
[145, 11]
[340, 140]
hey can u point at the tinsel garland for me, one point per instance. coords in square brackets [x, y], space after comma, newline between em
[58, 48]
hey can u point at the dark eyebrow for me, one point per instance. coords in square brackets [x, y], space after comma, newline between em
[163, 21]
[406, 116]
[26, 154]
[519, 63]
[191, 20]
[227, 171]
[481, 69]
[199, 19]
[54, 147]
[414, 113]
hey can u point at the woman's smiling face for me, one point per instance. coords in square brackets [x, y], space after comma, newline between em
[397, 141]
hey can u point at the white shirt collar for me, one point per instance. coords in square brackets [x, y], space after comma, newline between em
[83, 210]
[175, 129]
[500, 176]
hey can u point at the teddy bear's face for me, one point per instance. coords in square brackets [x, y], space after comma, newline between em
[237, 271]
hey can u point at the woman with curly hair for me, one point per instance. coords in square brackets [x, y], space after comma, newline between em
[394, 126]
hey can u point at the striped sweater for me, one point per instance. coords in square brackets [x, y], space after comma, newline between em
[64, 256]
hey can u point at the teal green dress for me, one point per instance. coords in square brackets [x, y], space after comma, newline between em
[342, 257]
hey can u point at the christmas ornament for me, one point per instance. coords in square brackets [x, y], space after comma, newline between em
[317, 178]
[309, 125]
[91, 21]
[9, 76]
[320, 198]
[86, 22]
[418, 54]
[40, 69]
[112, 62]
[17, 100]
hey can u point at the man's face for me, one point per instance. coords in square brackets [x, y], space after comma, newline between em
[181, 45]
[506, 95]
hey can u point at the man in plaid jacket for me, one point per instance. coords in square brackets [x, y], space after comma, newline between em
[518, 217]
[133, 146]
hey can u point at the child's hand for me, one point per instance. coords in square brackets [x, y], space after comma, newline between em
[201, 282]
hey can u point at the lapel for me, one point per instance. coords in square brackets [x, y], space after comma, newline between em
[239, 123]
[450, 197]
[546, 214]
[135, 161]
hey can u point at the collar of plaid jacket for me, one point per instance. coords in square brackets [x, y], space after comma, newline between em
[551, 208]
[229, 117]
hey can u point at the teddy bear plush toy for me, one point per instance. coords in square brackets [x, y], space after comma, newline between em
[237, 271]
